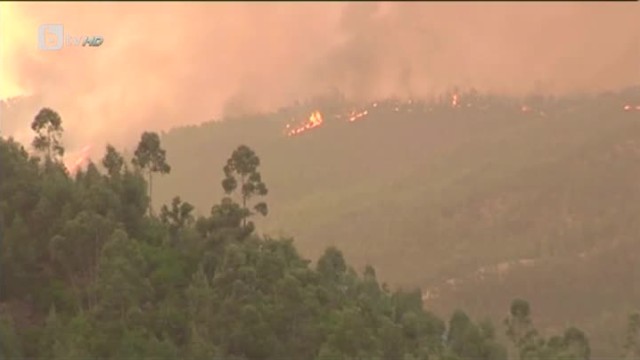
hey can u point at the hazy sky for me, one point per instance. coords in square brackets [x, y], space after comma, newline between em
[166, 64]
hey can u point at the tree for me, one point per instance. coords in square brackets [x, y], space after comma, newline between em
[178, 217]
[520, 329]
[150, 157]
[632, 341]
[51, 337]
[86, 240]
[76, 250]
[470, 341]
[242, 169]
[351, 337]
[9, 340]
[393, 345]
[48, 126]
[67, 341]
[113, 161]
[161, 349]
[121, 284]
[577, 344]
[332, 265]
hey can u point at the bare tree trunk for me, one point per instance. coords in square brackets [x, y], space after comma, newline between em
[244, 201]
[93, 298]
[50, 142]
[150, 194]
[75, 289]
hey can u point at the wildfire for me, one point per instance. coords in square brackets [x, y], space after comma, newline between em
[315, 120]
[356, 116]
[80, 160]
[456, 101]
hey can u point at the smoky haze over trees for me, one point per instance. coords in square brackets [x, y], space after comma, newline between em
[492, 199]
[364, 50]
[87, 272]
[482, 154]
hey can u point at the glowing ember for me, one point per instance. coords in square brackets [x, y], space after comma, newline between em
[454, 100]
[356, 116]
[627, 107]
[525, 108]
[315, 120]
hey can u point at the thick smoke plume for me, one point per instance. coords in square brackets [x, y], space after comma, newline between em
[168, 64]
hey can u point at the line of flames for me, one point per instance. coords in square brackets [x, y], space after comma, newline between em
[316, 119]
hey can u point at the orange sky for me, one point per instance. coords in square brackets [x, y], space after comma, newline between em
[167, 64]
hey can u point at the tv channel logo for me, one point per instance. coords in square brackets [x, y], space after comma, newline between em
[50, 37]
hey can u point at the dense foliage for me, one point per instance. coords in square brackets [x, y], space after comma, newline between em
[497, 198]
[87, 272]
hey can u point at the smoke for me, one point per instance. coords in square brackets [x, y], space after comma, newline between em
[169, 64]
[424, 48]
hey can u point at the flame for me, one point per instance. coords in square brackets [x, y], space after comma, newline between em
[454, 100]
[80, 160]
[315, 120]
[631, 107]
[356, 116]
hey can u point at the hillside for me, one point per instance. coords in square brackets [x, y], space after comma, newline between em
[427, 192]
[88, 272]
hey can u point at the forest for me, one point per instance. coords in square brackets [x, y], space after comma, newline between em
[475, 198]
[88, 269]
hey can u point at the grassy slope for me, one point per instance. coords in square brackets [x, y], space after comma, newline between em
[433, 196]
